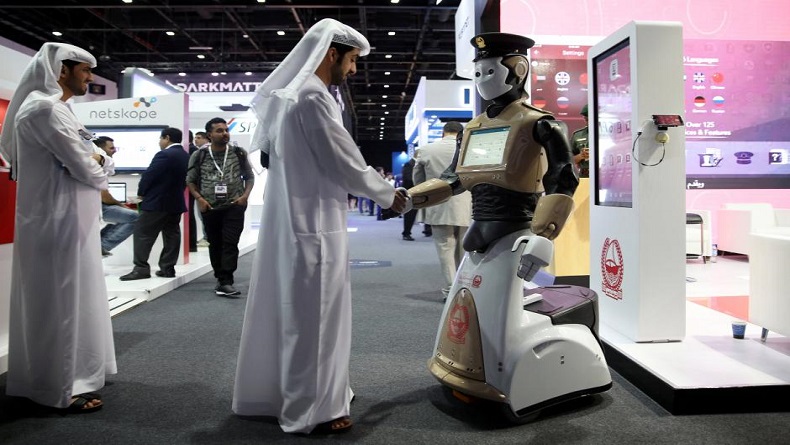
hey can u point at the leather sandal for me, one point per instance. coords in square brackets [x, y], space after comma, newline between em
[337, 426]
[78, 406]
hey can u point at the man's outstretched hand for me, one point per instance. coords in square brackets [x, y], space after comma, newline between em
[401, 204]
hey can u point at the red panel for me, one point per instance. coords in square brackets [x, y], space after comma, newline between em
[7, 193]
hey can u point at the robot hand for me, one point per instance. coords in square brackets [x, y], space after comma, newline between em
[409, 202]
[392, 212]
[537, 254]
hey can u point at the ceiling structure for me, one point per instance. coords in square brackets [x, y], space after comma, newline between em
[240, 36]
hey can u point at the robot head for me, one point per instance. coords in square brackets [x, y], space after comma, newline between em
[498, 76]
[501, 65]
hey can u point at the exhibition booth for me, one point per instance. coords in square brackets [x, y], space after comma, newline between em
[134, 123]
[666, 321]
[688, 116]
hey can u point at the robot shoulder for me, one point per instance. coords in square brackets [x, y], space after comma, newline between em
[529, 106]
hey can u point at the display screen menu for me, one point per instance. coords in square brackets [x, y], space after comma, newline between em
[135, 146]
[486, 147]
[612, 121]
[559, 81]
[737, 114]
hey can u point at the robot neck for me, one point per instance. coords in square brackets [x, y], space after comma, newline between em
[501, 102]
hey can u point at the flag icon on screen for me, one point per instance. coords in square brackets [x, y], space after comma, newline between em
[563, 102]
[718, 77]
[540, 103]
[718, 101]
[699, 101]
[699, 77]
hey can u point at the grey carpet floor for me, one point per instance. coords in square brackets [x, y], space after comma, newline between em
[177, 356]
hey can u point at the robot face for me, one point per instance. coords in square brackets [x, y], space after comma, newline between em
[491, 78]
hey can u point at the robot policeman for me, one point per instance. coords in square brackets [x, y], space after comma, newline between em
[508, 194]
[516, 161]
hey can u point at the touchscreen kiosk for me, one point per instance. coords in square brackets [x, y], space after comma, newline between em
[612, 119]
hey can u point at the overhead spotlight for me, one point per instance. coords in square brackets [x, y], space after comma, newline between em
[386, 112]
[388, 56]
[182, 74]
[386, 86]
[437, 2]
[215, 74]
[391, 33]
[201, 56]
[395, 1]
[127, 1]
[246, 36]
[386, 73]
[381, 118]
[384, 96]
[384, 105]
[170, 33]
[57, 33]
[280, 33]
[261, 1]
[248, 73]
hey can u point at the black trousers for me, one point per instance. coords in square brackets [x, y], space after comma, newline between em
[408, 221]
[223, 230]
[147, 229]
[192, 225]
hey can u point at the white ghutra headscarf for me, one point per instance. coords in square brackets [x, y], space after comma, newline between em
[38, 87]
[281, 89]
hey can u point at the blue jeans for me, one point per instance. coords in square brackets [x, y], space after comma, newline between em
[120, 225]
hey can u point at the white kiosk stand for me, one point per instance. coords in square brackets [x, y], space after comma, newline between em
[637, 180]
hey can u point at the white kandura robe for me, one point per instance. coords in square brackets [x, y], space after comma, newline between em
[296, 340]
[60, 339]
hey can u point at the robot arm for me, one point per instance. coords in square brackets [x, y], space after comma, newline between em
[560, 181]
[437, 191]
[560, 176]
[537, 254]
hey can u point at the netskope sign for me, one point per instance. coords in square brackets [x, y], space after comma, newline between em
[140, 111]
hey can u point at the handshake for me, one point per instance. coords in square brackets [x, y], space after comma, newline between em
[400, 205]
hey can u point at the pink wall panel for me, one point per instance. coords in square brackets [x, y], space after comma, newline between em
[702, 19]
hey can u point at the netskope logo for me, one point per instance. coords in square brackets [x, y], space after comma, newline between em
[126, 114]
[147, 103]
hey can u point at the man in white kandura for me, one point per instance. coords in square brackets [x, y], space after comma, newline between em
[60, 338]
[296, 340]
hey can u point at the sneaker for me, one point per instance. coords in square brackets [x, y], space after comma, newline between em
[226, 290]
[407, 238]
[202, 243]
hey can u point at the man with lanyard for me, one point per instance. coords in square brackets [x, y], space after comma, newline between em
[221, 192]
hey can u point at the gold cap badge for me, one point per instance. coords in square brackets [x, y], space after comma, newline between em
[480, 42]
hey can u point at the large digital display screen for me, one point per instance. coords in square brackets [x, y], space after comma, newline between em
[486, 147]
[612, 121]
[737, 114]
[135, 146]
